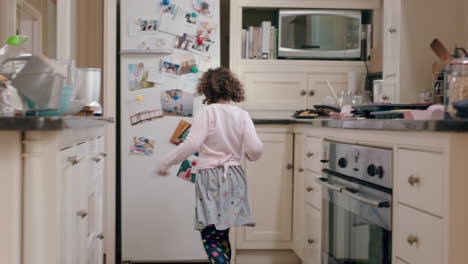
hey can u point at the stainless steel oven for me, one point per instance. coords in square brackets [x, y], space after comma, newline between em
[357, 209]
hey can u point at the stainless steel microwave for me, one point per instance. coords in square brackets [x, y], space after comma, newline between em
[320, 34]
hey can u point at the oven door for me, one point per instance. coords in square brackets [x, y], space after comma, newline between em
[356, 223]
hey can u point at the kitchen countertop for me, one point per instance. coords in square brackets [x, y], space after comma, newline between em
[375, 124]
[52, 123]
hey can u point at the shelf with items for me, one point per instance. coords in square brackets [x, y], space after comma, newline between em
[259, 35]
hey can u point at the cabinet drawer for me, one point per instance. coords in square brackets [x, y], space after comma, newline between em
[419, 237]
[312, 235]
[420, 180]
[313, 154]
[312, 190]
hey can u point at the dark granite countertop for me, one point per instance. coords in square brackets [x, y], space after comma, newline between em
[52, 123]
[376, 124]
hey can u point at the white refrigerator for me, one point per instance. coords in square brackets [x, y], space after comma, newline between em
[156, 42]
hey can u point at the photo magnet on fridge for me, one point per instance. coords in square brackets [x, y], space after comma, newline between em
[180, 132]
[142, 146]
[187, 170]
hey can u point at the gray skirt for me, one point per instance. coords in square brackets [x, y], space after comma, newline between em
[222, 202]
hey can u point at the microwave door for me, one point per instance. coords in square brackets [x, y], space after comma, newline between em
[320, 34]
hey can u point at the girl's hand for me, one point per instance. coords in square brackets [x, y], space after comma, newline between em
[162, 172]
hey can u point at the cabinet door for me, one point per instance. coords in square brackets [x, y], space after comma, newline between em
[67, 215]
[298, 212]
[270, 191]
[318, 87]
[81, 214]
[275, 91]
[312, 235]
[391, 45]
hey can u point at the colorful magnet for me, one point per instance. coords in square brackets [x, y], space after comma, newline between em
[176, 97]
[139, 98]
[166, 2]
[200, 40]
[194, 163]
[195, 69]
[194, 14]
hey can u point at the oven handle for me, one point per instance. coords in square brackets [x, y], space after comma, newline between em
[365, 200]
[324, 182]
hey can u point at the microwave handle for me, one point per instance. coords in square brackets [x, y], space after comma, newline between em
[371, 202]
[325, 183]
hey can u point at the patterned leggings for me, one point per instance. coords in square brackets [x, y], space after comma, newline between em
[217, 246]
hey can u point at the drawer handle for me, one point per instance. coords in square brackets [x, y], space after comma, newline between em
[309, 189]
[412, 239]
[303, 92]
[104, 154]
[300, 169]
[96, 159]
[289, 166]
[310, 241]
[309, 154]
[413, 180]
[311, 92]
[392, 30]
[100, 236]
[73, 160]
[82, 213]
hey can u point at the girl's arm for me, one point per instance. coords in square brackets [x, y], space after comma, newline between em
[253, 147]
[191, 145]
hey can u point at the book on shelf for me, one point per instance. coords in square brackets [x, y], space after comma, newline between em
[260, 42]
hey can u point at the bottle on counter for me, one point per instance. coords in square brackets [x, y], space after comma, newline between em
[456, 89]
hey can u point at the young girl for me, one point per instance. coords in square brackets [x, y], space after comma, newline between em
[221, 133]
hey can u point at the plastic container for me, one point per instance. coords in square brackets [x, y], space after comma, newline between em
[456, 89]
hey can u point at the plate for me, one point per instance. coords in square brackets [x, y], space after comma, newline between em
[304, 117]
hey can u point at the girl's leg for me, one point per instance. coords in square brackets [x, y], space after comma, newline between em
[216, 244]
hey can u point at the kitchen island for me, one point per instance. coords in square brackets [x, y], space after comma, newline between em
[46, 163]
[430, 178]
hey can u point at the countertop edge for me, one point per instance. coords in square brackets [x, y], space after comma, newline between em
[52, 123]
[375, 124]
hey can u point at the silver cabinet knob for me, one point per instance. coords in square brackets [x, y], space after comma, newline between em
[310, 241]
[300, 169]
[392, 30]
[82, 213]
[73, 160]
[104, 154]
[100, 236]
[309, 189]
[413, 180]
[289, 166]
[309, 154]
[303, 92]
[311, 92]
[412, 239]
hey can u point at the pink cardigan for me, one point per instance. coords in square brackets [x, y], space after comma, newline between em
[221, 134]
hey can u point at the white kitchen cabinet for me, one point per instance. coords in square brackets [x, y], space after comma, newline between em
[312, 190]
[312, 235]
[391, 35]
[419, 236]
[270, 190]
[313, 153]
[275, 91]
[63, 197]
[318, 87]
[298, 198]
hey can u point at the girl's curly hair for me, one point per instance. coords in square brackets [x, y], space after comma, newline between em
[220, 84]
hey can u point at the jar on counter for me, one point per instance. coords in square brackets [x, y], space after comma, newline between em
[456, 89]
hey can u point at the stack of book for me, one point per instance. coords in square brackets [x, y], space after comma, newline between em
[260, 42]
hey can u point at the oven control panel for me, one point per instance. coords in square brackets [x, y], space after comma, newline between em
[366, 163]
